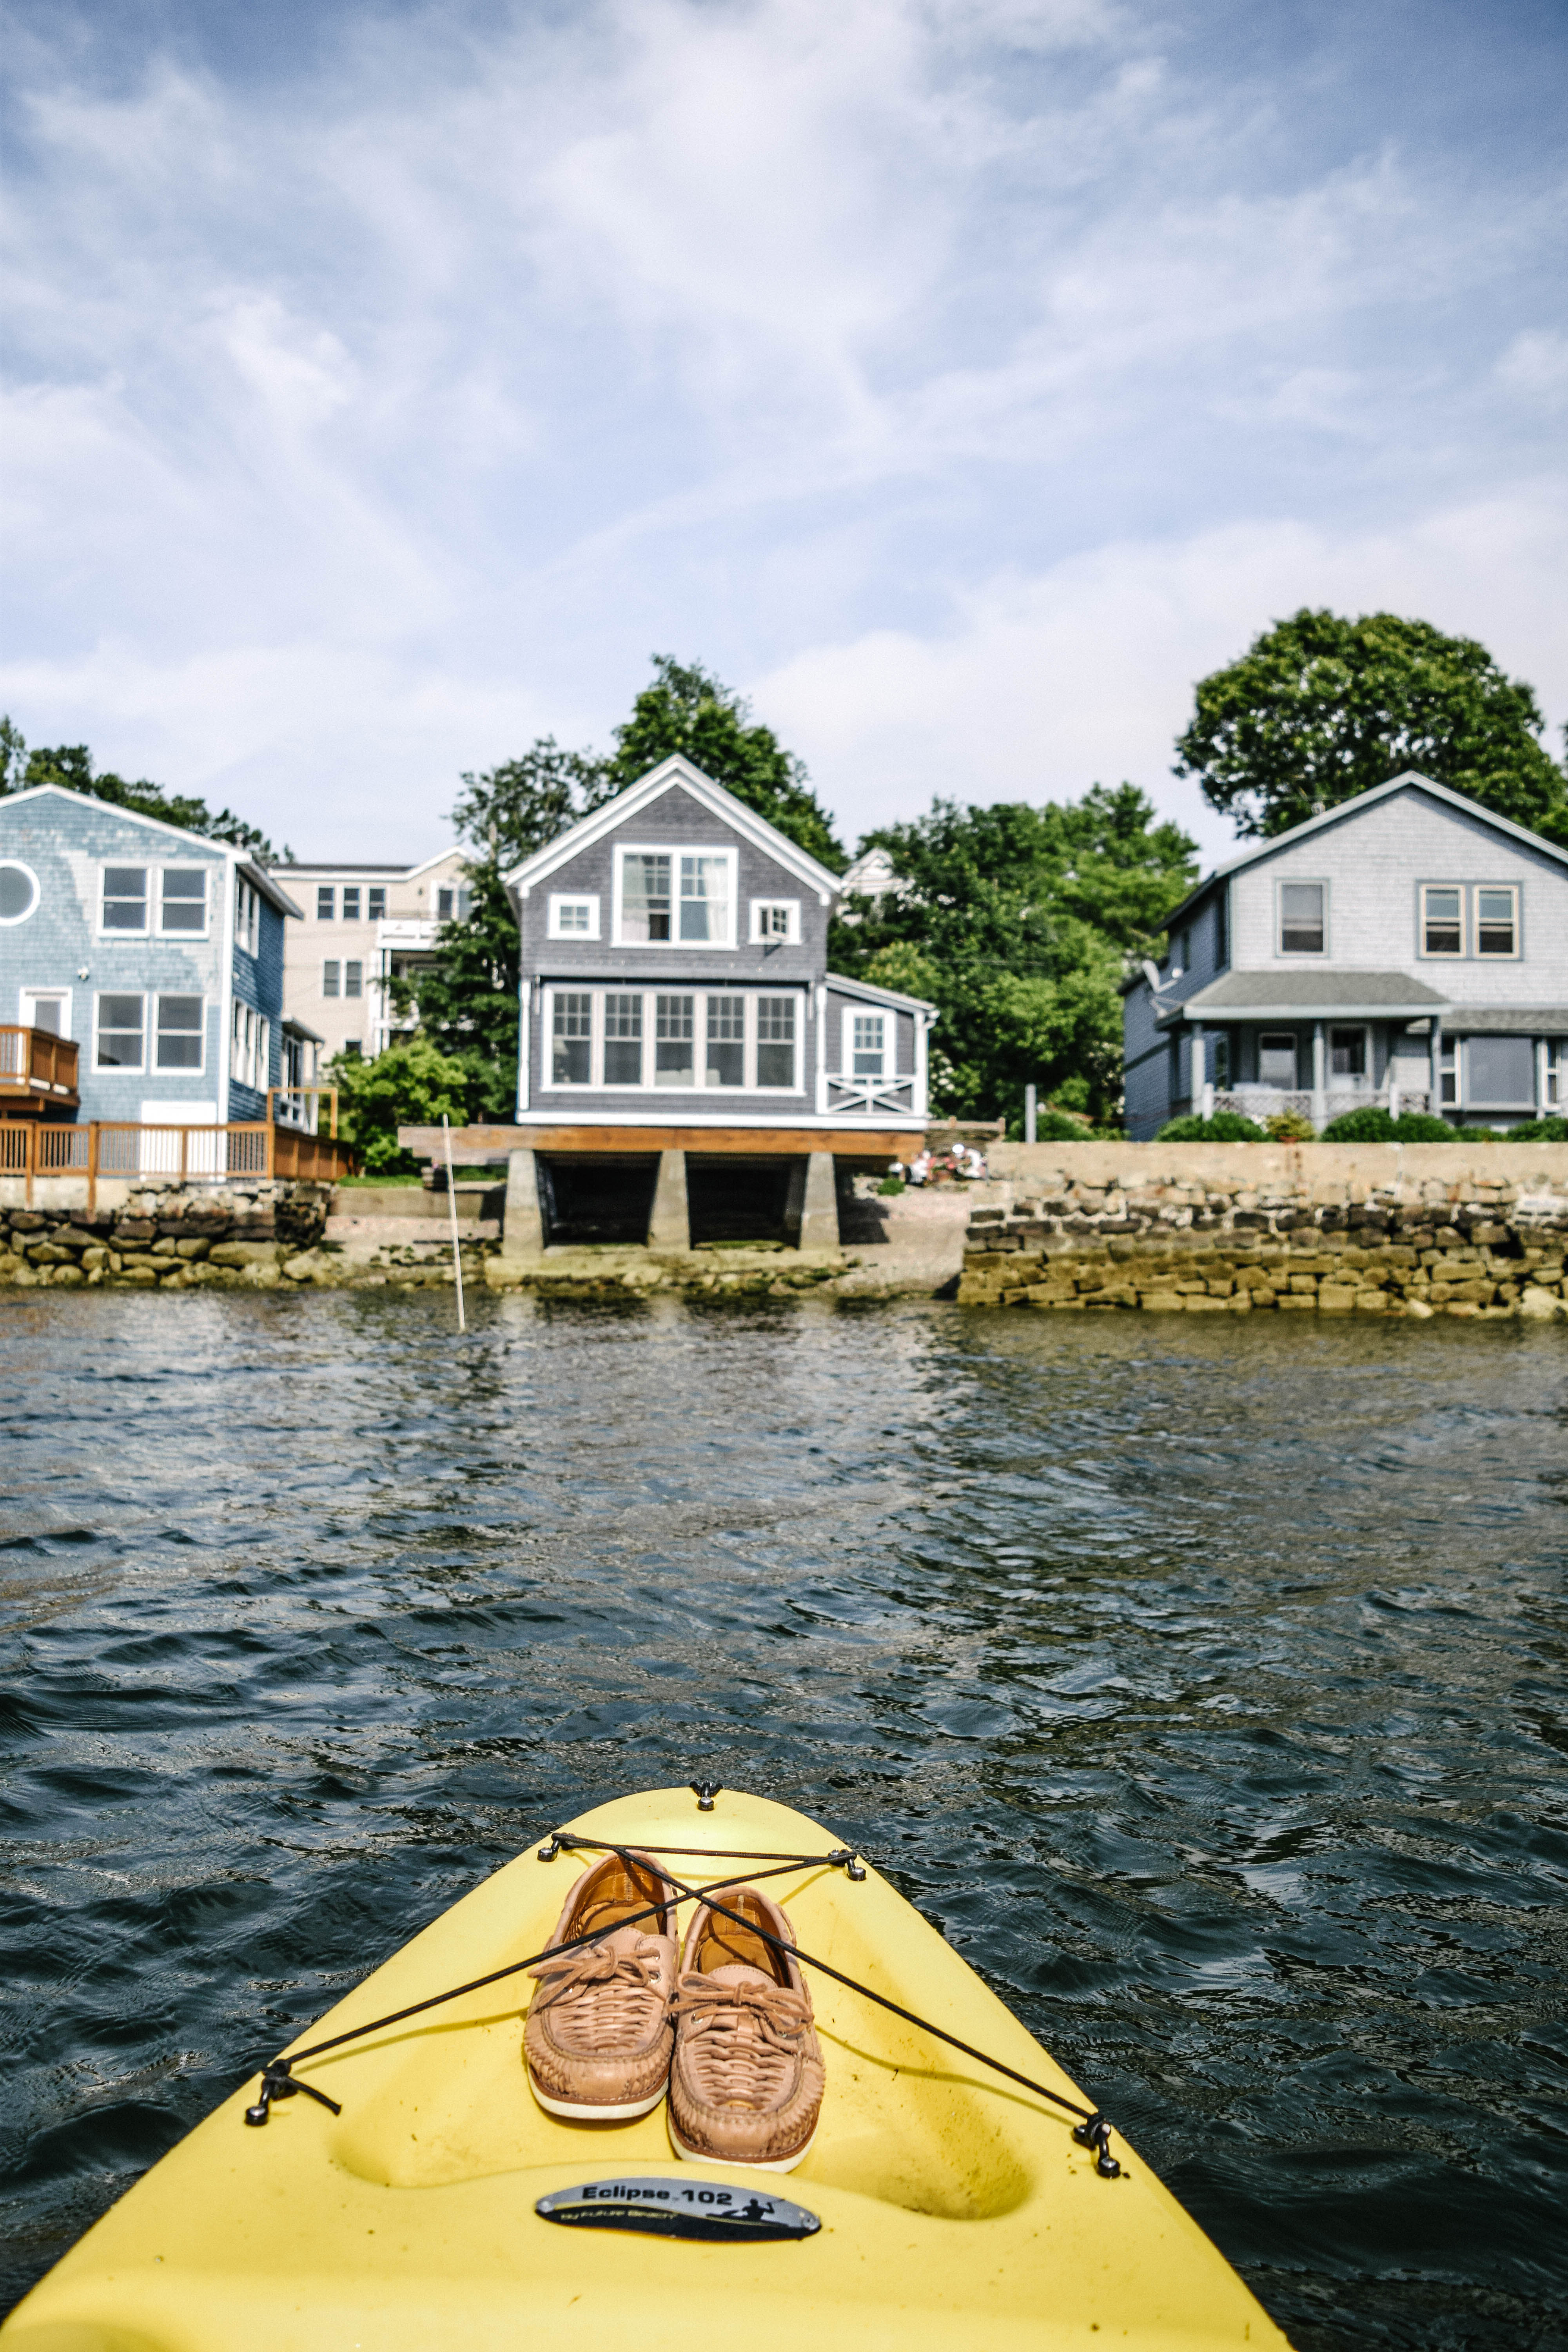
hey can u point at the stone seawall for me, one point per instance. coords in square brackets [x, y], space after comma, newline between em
[1415, 1230]
[163, 1236]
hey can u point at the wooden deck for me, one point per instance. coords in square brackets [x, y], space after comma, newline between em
[470, 1145]
[37, 1071]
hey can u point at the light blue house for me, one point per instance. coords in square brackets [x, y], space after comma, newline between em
[157, 951]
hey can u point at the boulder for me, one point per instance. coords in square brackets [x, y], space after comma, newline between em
[246, 1253]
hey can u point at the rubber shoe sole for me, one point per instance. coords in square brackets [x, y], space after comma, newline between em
[577, 2111]
[740, 2163]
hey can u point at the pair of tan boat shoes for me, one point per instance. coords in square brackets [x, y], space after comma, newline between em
[726, 2026]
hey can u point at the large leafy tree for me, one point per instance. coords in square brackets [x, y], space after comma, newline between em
[1320, 708]
[71, 764]
[687, 709]
[1017, 923]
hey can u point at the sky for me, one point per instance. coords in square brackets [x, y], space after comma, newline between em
[961, 379]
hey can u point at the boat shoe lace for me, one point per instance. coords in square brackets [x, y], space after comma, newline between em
[741, 2041]
[606, 1995]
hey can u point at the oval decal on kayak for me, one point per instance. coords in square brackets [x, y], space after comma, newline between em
[666, 2208]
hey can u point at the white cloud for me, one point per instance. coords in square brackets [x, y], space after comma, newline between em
[1041, 687]
[967, 375]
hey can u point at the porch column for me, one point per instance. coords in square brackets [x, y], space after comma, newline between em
[670, 1224]
[1435, 1099]
[810, 1211]
[523, 1232]
[1319, 1077]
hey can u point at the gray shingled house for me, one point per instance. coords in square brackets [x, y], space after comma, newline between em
[688, 1067]
[1409, 948]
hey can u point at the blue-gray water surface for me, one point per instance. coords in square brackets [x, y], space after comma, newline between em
[1206, 1686]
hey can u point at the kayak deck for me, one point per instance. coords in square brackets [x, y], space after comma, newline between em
[956, 2208]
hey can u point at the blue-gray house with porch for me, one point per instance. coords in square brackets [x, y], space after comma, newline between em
[1407, 948]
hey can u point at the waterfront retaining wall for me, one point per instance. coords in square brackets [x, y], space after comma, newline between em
[162, 1234]
[1414, 1230]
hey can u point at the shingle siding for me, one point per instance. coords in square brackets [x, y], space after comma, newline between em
[67, 840]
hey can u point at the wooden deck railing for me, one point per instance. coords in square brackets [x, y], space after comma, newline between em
[36, 1063]
[189, 1155]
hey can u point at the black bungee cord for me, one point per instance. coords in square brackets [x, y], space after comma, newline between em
[277, 2081]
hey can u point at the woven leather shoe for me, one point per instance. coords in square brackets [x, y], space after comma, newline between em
[598, 2037]
[746, 2081]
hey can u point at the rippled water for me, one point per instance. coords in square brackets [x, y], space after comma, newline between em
[1207, 1687]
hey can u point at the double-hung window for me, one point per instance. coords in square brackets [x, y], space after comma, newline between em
[1496, 919]
[868, 1050]
[1303, 917]
[181, 1026]
[705, 899]
[775, 1041]
[121, 1033]
[1554, 1066]
[124, 898]
[645, 897]
[332, 976]
[1442, 919]
[246, 916]
[350, 902]
[571, 1044]
[326, 902]
[674, 1036]
[375, 911]
[454, 904]
[353, 979]
[182, 902]
[623, 1038]
[727, 1040]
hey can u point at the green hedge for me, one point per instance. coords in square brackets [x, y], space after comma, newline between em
[1225, 1127]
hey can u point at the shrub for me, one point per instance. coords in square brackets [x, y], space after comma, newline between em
[1374, 1125]
[1225, 1127]
[1541, 1130]
[891, 1187]
[1291, 1127]
[409, 1086]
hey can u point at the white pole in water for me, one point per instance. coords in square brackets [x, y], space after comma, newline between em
[1030, 1098]
[452, 1205]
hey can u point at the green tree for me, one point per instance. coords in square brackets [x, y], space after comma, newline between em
[1320, 708]
[687, 709]
[1016, 925]
[71, 764]
[411, 1085]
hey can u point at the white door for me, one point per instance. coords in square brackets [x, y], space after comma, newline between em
[160, 1141]
[46, 1008]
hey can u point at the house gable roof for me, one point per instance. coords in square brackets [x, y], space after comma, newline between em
[1407, 779]
[257, 876]
[674, 772]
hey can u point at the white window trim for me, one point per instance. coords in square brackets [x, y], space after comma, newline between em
[596, 1083]
[28, 911]
[120, 1069]
[332, 890]
[1442, 955]
[150, 1035]
[888, 1019]
[125, 865]
[337, 994]
[759, 938]
[175, 932]
[559, 898]
[1303, 955]
[1516, 893]
[246, 916]
[675, 851]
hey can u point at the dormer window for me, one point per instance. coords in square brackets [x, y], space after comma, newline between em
[676, 897]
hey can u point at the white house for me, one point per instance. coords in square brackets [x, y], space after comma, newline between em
[1407, 946]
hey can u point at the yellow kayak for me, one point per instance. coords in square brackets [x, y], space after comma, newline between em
[941, 2206]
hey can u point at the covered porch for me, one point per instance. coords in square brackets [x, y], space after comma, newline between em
[1266, 1044]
